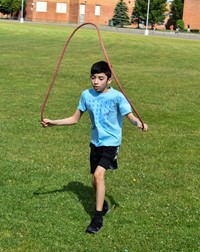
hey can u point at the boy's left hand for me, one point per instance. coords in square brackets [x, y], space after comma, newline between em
[145, 127]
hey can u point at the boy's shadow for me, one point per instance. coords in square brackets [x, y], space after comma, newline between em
[84, 193]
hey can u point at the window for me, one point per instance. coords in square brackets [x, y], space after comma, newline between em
[97, 10]
[82, 9]
[41, 6]
[61, 8]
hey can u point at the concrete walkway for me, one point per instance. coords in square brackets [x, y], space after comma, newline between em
[182, 35]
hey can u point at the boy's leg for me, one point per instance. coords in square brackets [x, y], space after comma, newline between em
[99, 187]
[99, 183]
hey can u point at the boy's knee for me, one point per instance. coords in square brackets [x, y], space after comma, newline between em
[99, 174]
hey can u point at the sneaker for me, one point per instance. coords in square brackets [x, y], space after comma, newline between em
[95, 225]
[105, 209]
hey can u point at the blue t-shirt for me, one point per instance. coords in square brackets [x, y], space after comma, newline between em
[106, 111]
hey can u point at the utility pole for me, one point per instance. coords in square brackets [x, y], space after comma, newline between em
[147, 21]
[22, 12]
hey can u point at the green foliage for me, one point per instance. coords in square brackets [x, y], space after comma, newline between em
[10, 6]
[121, 17]
[46, 197]
[194, 30]
[177, 9]
[156, 11]
[180, 23]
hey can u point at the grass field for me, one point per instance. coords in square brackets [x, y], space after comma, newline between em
[46, 198]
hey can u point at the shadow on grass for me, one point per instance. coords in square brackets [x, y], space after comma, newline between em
[84, 193]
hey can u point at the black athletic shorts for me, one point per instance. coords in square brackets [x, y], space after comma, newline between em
[105, 156]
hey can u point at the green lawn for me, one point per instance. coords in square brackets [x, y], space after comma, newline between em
[46, 198]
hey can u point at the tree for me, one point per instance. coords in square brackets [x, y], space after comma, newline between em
[176, 13]
[156, 12]
[121, 17]
[10, 6]
[177, 9]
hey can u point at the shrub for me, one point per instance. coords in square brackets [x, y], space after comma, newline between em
[180, 23]
[195, 30]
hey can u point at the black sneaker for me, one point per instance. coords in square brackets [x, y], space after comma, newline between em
[105, 209]
[95, 225]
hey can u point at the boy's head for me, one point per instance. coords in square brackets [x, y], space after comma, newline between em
[101, 67]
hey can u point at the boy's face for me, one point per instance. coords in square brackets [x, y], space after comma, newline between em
[100, 82]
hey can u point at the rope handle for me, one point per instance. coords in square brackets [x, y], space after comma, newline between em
[109, 64]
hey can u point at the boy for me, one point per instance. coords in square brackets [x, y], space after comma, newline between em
[106, 107]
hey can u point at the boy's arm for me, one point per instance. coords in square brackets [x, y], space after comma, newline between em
[135, 121]
[66, 121]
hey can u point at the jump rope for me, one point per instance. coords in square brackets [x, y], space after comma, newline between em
[109, 64]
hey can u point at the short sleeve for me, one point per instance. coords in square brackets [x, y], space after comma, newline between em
[124, 105]
[82, 103]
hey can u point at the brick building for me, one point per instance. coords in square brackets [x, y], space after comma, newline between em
[191, 13]
[73, 11]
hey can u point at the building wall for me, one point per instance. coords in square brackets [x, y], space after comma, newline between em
[107, 10]
[29, 11]
[73, 11]
[50, 15]
[191, 13]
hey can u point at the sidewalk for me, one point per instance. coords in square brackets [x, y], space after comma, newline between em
[182, 35]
